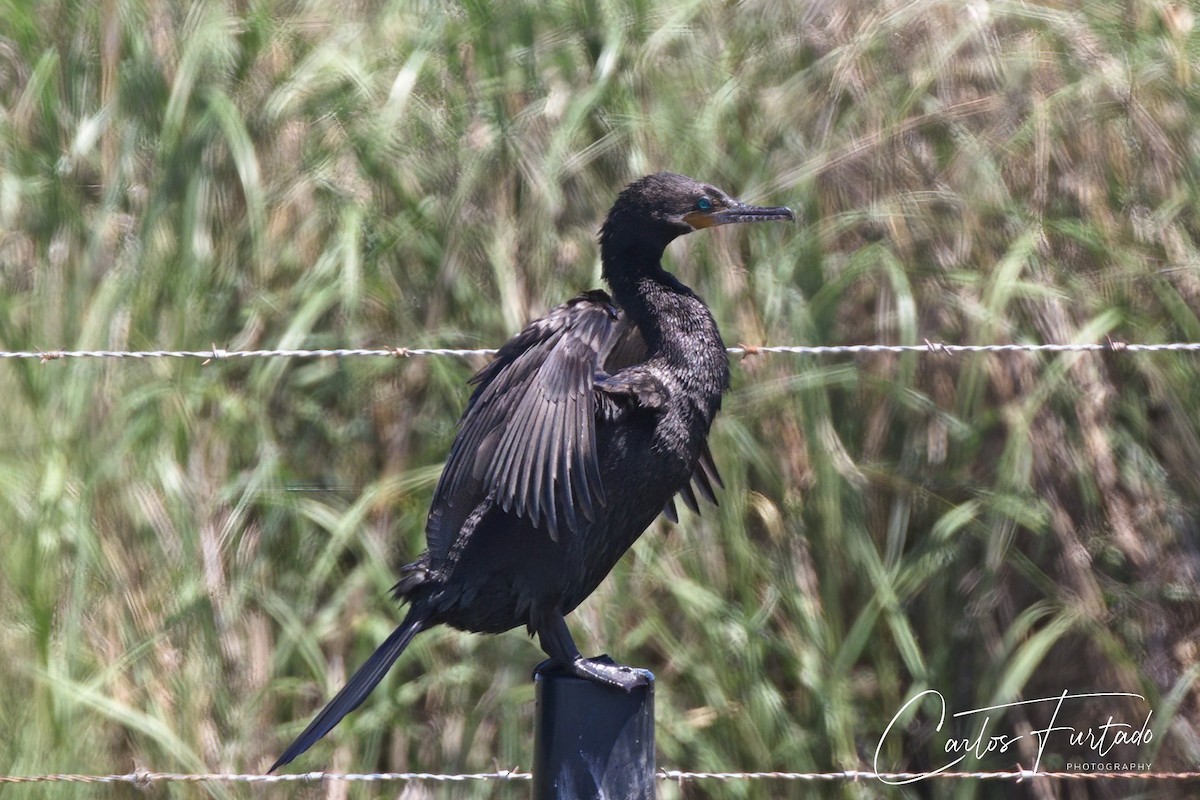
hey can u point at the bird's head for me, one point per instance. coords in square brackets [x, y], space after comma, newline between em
[652, 211]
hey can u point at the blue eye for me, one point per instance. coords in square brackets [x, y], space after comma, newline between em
[704, 204]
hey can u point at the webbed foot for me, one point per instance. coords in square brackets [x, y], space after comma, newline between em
[601, 669]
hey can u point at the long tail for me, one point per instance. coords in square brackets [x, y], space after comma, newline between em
[360, 685]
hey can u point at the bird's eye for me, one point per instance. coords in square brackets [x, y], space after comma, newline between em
[704, 204]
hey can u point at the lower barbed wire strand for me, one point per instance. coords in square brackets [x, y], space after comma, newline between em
[145, 778]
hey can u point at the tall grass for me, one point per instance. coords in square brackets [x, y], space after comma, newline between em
[195, 556]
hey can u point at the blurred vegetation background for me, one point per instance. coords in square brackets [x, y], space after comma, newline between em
[194, 556]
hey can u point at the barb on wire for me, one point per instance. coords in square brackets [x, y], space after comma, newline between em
[144, 778]
[929, 348]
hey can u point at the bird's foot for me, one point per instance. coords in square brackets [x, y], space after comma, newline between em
[601, 669]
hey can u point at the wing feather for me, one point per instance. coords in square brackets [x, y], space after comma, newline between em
[528, 436]
[706, 478]
[689, 498]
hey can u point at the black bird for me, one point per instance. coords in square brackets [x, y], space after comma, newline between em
[578, 434]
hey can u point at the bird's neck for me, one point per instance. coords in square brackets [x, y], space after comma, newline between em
[675, 323]
[681, 336]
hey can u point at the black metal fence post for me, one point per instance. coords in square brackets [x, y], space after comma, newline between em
[592, 742]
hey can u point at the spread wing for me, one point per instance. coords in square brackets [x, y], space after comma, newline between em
[527, 440]
[528, 436]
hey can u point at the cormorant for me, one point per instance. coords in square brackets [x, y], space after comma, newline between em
[578, 434]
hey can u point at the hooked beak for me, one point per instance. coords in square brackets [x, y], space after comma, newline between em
[737, 212]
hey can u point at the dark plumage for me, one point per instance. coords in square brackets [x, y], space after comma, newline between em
[579, 433]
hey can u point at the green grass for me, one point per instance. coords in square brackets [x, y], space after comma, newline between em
[195, 556]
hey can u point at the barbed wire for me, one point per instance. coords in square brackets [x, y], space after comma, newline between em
[144, 778]
[219, 354]
[929, 347]
[1018, 775]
